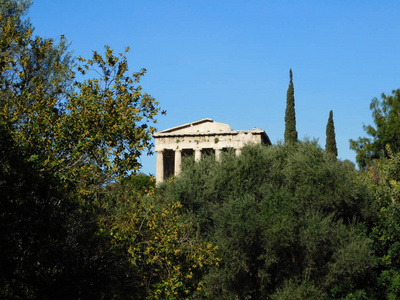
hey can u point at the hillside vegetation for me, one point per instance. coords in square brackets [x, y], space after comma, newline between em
[78, 220]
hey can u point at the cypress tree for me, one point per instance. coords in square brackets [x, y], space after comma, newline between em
[330, 145]
[290, 116]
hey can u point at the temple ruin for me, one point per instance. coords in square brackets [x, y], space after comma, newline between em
[198, 138]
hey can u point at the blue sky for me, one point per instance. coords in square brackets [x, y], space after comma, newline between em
[230, 60]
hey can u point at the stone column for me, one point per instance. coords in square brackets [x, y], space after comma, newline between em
[197, 154]
[217, 154]
[160, 167]
[178, 160]
[238, 151]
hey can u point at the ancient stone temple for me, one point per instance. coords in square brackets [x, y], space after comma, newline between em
[199, 138]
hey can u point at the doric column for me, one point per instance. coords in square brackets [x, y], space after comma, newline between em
[178, 160]
[160, 167]
[238, 151]
[217, 154]
[197, 154]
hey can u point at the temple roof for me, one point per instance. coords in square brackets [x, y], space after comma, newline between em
[207, 126]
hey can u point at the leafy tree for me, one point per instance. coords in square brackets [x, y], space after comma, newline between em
[49, 246]
[34, 76]
[290, 114]
[29, 66]
[89, 132]
[383, 178]
[286, 219]
[107, 121]
[166, 260]
[386, 131]
[330, 145]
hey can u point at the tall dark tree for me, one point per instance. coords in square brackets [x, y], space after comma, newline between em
[330, 145]
[290, 115]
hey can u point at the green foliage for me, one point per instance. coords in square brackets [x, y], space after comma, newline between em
[125, 245]
[279, 214]
[383, 179]
[290, 114]
[61, 142]
[49, 249]
[330, 145]
[298, 291]
[289, 221]
[386, 131]
[166, 261]
[91, 132]
[140, 183]
[106, 124]
[32, 69]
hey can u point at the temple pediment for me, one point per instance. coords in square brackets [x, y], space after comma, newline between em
[203, 126]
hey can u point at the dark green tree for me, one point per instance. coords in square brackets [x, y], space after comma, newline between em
[383, 179]
[330, 145]
[290, 114]
[92, 131]
[32, 68]
[386, 131]
[50, 247]
[287, 220]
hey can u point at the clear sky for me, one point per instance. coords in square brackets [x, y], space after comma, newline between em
[230, 60]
